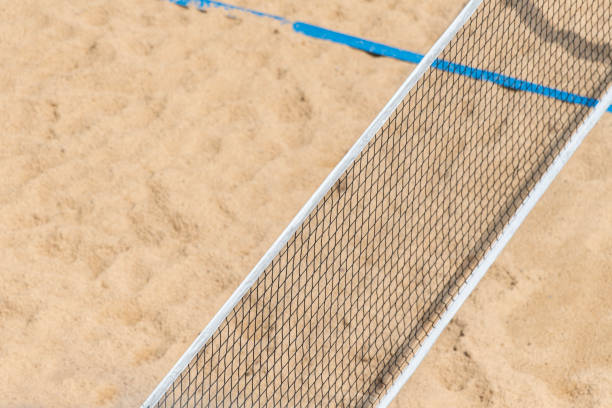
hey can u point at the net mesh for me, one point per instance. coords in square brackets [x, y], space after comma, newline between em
[343, 307]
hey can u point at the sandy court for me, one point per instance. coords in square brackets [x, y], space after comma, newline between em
[150, 155]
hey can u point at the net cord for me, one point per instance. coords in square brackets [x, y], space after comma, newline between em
[327, 184]
[534, 195]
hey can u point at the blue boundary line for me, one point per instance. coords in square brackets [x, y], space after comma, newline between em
[210, 3]
[356, 42]
[405, 55]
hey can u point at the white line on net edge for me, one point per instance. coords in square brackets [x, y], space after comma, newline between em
[346, 161]
[498, 245]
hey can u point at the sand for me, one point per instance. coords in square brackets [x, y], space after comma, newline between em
[149, 155]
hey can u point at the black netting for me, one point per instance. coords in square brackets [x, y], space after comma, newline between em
[343, 307]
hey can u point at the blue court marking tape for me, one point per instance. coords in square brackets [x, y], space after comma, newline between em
[404, 55]
[356, 42]
[475, 73]
[210, 3]
[513, 83]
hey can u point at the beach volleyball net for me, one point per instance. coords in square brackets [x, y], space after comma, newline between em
[348, 300]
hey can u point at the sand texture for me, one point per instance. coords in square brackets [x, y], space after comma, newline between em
[149, 155]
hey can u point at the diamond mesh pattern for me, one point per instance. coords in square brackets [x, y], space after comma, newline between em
[343, 307]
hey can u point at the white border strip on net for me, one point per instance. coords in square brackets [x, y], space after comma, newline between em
[498, 245]
[346, 161]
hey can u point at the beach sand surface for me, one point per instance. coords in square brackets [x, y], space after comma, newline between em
[150, 154]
